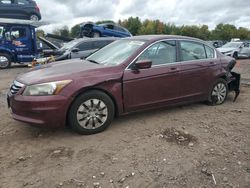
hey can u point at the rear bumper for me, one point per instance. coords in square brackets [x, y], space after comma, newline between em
[46, 111]
[234, 83]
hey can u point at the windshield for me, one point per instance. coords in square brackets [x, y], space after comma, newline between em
[116, 53]
[232, 45]
[69, 45]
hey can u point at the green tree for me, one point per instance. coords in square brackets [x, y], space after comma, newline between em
[75, 31]
[132, 24]
[224, 32]
[40, 33]
[64, 31]
[243, 33]
[104, 21]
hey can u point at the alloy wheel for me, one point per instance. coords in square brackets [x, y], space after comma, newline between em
[34, 17]
[220, 92]
[4, 62]
[92, 114]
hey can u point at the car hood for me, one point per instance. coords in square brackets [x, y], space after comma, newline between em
[226, 49]
[71, 70]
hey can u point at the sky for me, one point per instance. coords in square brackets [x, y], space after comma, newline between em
[179, 12]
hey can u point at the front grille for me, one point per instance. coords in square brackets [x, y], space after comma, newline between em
[15, 87]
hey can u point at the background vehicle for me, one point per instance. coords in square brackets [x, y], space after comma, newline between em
[128, 75]
[103, 30]
[236, 49]
[20, 9]
[82, 47]
[216, 43]
[17, 42]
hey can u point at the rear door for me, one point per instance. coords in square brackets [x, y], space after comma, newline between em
[198, 69]
[7, 10]
[109, 31]
[120, 32]
[156, 86]
[22, 8]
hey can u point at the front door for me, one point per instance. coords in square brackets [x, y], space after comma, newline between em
[22, 43]
[155, 86]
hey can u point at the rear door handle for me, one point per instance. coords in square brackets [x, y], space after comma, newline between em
[212, 63]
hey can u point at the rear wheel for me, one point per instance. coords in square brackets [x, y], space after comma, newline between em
[5, 61]
[91, 112]
[34, 17]
[218, 93]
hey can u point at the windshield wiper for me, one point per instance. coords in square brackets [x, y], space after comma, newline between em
[92, 61]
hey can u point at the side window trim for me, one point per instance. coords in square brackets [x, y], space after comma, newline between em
[214, 53]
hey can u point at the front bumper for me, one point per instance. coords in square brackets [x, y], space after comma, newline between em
[46, 111]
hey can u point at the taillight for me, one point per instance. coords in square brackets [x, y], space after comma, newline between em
[37, 9]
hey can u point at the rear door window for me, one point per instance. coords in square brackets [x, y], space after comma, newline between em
[101, 44]
[22, 2]
[209, 52]
[85, 46]
[192, 51]
[5, 2]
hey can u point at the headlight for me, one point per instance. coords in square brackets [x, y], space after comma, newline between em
[50, 88]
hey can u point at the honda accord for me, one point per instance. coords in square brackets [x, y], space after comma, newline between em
[128, 75]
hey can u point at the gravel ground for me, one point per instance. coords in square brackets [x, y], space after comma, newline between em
[189, 146]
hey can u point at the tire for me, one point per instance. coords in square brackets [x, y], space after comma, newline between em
[5, 61]
[96, 34]
[34, 17]
[91, 112]
[218, 93]
[235, 55]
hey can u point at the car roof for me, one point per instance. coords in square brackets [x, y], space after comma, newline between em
[162, 37]
[97, 39]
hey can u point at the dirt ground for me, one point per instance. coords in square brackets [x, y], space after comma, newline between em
[188, 146]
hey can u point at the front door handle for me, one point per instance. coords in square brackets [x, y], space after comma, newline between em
[174, 69]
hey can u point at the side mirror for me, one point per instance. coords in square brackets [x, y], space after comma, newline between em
[75, 50]
[142, 64]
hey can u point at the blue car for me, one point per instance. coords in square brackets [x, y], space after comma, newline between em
[103, 30]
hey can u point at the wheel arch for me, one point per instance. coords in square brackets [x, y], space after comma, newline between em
[34, 13]
[12, 56]
[81, 91]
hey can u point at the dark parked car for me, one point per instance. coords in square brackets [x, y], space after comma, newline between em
[103, 30]
[81, 48]
[20, 9]
[131, 74]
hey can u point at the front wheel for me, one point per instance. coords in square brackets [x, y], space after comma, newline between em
[218, 93]
[5, 61]
[91, 112]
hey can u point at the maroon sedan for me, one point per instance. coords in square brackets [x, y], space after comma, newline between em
[131, 74]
